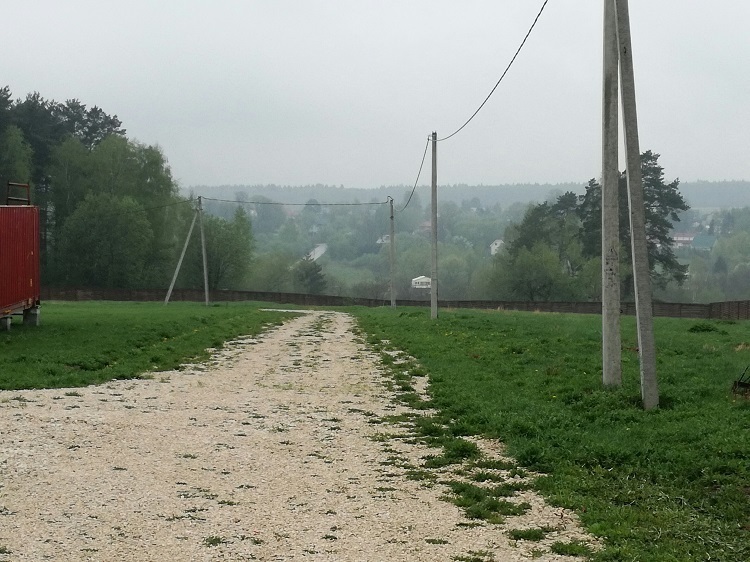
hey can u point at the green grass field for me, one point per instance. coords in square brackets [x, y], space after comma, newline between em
[667, 485]
[79, 344]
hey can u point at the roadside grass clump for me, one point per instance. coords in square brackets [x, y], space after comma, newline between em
[83, 343]
[483, 476]
[574, 548]
[455, 451]
[422, 475]
[534, 534]
[484, 503]
[476, 556]
[494, 464]
[213, 541]
[400, 380]
[669, 484]
[413, 400]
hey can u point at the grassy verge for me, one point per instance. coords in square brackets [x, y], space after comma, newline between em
[79, 344]
[669, 485]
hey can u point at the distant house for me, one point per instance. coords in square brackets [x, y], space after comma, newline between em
[496, 246]
[421, 282]
[682, 240]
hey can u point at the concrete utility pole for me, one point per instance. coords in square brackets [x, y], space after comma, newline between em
[434, 274]
[643, 303]
[203, 248]
[182, 256]
[611, 339]
[392, 255]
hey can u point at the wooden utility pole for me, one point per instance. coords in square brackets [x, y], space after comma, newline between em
[641, 274]
[203, 248]
[434, 274]
[392, 255]
[611, 339]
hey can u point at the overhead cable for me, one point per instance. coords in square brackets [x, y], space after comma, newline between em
[296, 204]
[418, 174]
[140, 209]
[501, 77]
[189, 200]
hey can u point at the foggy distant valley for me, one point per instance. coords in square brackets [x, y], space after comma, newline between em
[698, 194]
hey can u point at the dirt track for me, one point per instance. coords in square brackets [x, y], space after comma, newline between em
[267, 453]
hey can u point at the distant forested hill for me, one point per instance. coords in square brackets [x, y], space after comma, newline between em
[699, 194]
[503, 195]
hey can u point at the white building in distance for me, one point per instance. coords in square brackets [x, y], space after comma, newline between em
[496, 246]
[421, 282]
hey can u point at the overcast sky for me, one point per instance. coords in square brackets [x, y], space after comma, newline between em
[346, 92]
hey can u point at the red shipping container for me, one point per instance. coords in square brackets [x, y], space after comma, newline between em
[19, 258]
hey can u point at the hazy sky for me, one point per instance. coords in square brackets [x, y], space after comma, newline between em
[345, 92]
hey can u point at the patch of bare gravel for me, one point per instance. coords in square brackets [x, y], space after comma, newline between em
[269, 452]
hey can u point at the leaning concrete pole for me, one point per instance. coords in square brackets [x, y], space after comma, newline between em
[643, 304]
[434, 274]
[611, 340]
[182, 256]
[392, 255]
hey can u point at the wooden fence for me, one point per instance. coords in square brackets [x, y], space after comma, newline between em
[732, 310]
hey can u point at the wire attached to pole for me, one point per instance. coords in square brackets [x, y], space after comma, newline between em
[501, 77]
[295, 204]
[426, 146]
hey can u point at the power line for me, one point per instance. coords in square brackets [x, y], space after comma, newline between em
[295, 204]
[169, 205]
[421, 165]
[418, 174]
[140, 209]
[501, 77]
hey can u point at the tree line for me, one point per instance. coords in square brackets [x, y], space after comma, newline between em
[554, 253]
[110, 211]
